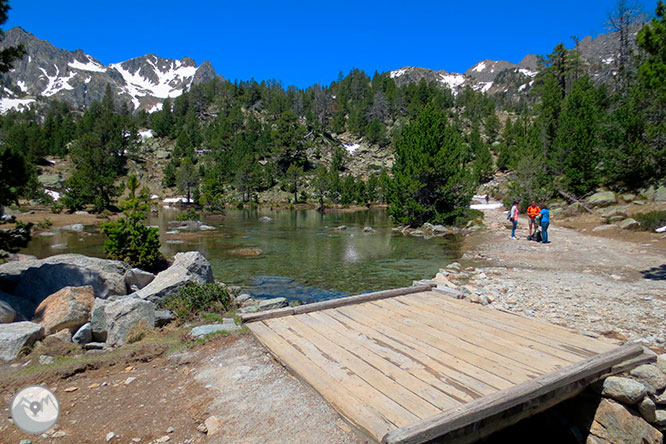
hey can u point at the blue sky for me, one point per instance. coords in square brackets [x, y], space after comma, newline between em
[305, 42]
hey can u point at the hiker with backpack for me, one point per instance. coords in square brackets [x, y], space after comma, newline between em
[545, 221]
[532, 212]
[513, 217]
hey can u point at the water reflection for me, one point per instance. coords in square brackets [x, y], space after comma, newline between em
[297, 254]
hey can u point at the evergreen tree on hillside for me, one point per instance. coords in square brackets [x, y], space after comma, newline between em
[431, 181]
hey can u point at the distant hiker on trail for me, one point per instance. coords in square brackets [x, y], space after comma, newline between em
[545, 221]
[532, 212]
[513, 217]
[487, 199]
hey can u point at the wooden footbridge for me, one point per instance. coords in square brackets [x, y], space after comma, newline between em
[414, 365]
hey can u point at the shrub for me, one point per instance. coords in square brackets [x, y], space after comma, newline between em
[190, 214]
[196, 298]
[652, 220]
[57, 208]
[131, 241]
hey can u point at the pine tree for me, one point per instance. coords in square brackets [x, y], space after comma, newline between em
[187, 178]
[431, 180]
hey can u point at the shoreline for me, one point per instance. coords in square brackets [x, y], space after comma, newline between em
[601, 286]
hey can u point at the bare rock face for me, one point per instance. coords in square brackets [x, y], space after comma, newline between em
[15, 336]
[124, 314]
[35, 280]
[187, 267]
[615, 424]
[68, 308]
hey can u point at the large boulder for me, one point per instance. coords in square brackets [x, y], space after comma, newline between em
[602, 199]
[615, 424]
[7, 313]
[68, 308]
[23, 308]
[660, 194]
[187, 267]
[15, 336]
[35, 280]
[123, 314]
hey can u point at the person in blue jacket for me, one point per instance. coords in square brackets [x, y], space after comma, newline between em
[545, 221]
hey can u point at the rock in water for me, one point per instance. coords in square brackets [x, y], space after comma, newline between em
[15, 336]
[187, 267]
[124, 314]
[614, 423]
[35, 280]
[68, 308]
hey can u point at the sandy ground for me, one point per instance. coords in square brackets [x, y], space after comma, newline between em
[611, 282]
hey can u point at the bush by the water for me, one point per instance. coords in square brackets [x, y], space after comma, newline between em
[190, 214]
[652, 220]
[196, 298]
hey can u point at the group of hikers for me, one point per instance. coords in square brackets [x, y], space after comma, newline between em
[539, 220]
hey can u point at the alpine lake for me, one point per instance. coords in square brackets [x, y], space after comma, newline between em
[301, 255]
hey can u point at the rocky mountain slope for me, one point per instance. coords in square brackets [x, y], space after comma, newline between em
[78, 78]
[501, 77]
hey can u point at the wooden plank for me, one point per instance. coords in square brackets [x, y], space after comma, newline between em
[536, 352]
[471, 362]
[333, 303]
[451, 420]
[367, 344]
[466, 350]
[576, 342]
[341, 376]
[427, 388]
[357, 411]
[374, 377]
[447, 367]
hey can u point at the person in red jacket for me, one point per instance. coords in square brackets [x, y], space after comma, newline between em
[532, 212]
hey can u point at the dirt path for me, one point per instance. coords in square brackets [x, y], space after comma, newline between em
[590, 283]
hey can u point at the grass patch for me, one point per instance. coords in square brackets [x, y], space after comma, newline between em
[652, 220]
[195, 299]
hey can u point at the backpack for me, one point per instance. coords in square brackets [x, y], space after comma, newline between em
[537, 236]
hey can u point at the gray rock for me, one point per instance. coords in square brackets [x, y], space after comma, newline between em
[440, 229]
[205, 227]
[623, 389]
[163, 317]
[74, 227]
[83, 335]
[15, 336]
[63, 335]
[660, 194]
[661, 418]
[661, 362]
[628, 197]
[604, 228]
[45, 359]
[651, 376]
[7, 313]
[615, 424]
[418, 233]
[187, 267]
[124, 314]
[602, 199]
[368, 230]
[94, 346]
[647, 408]
[614, 211]
[136, 279]
[24, 308]
[185, 225]
[227, 326]
[273, 303]
[51, 180]
[628, 224]
[98, 320]
[162, 154]
[34, 280]
[265, 219]
[241, 298]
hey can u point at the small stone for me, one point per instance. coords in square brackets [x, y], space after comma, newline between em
[651, 376]
[25, 441]
[94, 346]
[110, 436]
[202, 428]
[171, 430]
[128, 368]
[136, 439]
[164, 438]
[130, 380]
[661, 417]
[93, 385]
[71, 389]
[648, 409]
[661, 399]
[623, 389]
[661, 362]
[58, 434]
[213, 425]
[45, 359]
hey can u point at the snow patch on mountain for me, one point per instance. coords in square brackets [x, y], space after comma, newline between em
[480, 67]
[21, 85]
[91, 65]
[398, 73]
[16, 104]
[527, 72]
[351, 148]
[453, 81]
[56, 83]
